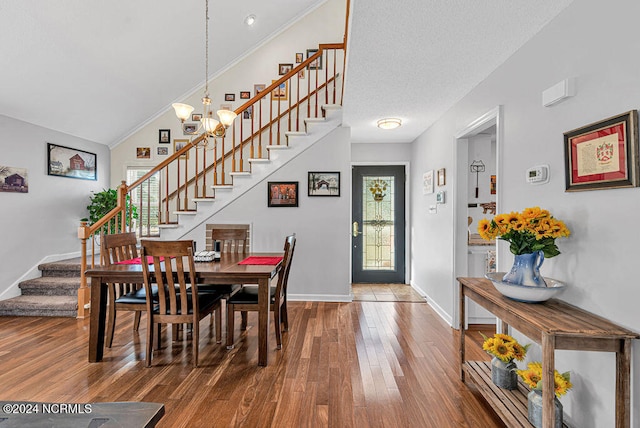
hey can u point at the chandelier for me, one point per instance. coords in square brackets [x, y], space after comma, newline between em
[208, 124]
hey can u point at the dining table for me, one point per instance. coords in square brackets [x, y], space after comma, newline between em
[233, 268]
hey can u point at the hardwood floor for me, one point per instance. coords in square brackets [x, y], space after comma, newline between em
[385, 293]
[361, 364]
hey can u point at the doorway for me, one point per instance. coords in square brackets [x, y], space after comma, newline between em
[378, 215]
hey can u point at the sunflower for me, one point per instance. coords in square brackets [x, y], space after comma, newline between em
[530, 377]
[519, 352]
[504, 347]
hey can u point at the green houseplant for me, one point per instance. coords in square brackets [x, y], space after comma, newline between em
[105, 201]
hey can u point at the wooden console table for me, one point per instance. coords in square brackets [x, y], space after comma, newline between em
[554, 325]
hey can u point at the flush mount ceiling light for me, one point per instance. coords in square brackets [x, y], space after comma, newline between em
[250, 20]
[208, 124]
[389, 123]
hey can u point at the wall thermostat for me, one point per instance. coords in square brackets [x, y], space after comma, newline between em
[538, 174]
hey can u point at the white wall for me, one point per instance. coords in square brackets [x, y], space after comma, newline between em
[320, 269]
[381, 152]
[43, 223]
[323, 25]
[598, 261]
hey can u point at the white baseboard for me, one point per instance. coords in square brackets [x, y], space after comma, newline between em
[437, 308]
[347, 298]
[14, 290]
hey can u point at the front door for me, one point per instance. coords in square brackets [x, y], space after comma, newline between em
[378, 228]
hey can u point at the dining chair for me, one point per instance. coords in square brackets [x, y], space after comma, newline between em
[115, 248]
[246, 299]
[178, 299]
[231, 240]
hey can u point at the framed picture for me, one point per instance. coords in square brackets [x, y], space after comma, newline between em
[143, 152]
[441, 177]
[440, 199]
[225, 106]
[245, 95]
[164, 136]
[179, 144]
[163, 151]
[189, 128]
[299, 57]
[315, 64]
[323, 183]
[602, 155]
[282, 194]
[281, 93]
[72, 163]
[284, 69]
[248, 113]
[427, 182]
[196, 117]
[229, 97]
[258, 87]
[492, 185]
[301, 74]
[13, 179]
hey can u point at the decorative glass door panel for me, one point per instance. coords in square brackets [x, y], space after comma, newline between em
[378, 224]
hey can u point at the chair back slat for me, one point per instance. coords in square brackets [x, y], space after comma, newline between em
[118, 247]
[231, 240]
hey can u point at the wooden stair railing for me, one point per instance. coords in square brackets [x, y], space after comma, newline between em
[189, 174]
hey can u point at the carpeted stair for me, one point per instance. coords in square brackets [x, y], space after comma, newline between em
[54, 294]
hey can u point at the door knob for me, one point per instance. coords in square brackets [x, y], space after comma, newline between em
[355, 230]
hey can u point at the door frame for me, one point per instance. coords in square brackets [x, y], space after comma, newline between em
[460, 201]
[407, 222]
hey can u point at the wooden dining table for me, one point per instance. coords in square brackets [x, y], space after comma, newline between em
[226, 271]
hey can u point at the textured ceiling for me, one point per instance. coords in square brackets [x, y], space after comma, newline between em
[416, 61]
[98, 69]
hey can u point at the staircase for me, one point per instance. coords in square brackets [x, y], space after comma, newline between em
[55, 294]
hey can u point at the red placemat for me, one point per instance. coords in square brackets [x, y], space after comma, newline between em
[261, 260]
[137, 261]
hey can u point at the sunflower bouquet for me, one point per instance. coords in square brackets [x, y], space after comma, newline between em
[532, 376]
[504, 347]
[531, 230]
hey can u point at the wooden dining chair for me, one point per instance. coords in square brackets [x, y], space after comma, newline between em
[178, 299]
[231, 239]
[116, 248]
[247, 298]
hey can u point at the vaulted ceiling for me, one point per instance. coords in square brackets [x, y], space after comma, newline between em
[98, 69]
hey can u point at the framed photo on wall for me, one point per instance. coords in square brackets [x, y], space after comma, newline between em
[72, 163]
[281, 92]
[282, 194]
[441, 177]
[316, 64]
[178, 144]
[164, 136]
[602, 155]
[427, 182]
[323, 183]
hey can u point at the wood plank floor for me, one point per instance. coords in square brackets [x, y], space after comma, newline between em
[361, 364]
[385, 293]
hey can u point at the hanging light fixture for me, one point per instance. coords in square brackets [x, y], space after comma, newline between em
[208, 123]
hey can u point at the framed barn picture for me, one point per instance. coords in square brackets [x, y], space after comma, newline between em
[71, 163]
[282, 194]
[323, 183]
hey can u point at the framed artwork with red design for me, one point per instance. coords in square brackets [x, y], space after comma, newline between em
[603, 155]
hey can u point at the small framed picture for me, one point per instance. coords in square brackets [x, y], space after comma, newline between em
[178, 144]
[441, 177]
[258, 87]
[164, 136]
[245, 95]
[229, 97]
[603, 155]
[281, 93]
[284, 69]
[282, 194]
[189, 128]
[248, 113]
[299, 57]
[163, 151]
[427, 182]
[143, 152]
[440, 197]
[13, 179]
[492, 185]
[316, 64]
[225, 106]
[301, 74]
[323, 183]
[196, 117]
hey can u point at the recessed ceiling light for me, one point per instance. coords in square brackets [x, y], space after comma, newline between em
[250, 20]
[389, 123]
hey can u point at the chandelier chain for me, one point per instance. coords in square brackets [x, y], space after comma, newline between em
[206, 51]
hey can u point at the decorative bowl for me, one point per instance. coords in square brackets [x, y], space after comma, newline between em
[525, 293]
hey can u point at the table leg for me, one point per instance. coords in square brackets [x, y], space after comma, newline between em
[623, 386]
[97, 321]
[264, 300]
[548, 381]
[461, 326]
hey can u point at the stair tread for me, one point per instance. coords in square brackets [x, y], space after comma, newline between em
[52, 281]
[34, 302]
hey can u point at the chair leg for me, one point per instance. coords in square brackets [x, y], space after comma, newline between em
[158, 328]
[136, 320]
[285, 315]
[230, 326]
[196, 340]
[243, 324]
[218, 313]
[276, 322]
[150, 328]
[111, 322]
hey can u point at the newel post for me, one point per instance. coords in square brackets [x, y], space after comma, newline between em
[122, 203]
[83, 291]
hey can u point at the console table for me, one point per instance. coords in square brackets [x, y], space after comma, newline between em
[553, 324]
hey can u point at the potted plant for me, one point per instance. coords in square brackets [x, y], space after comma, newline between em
[504, 349]
[532, 376]
[105, 201]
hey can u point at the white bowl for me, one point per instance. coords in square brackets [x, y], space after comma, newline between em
[526, 293]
